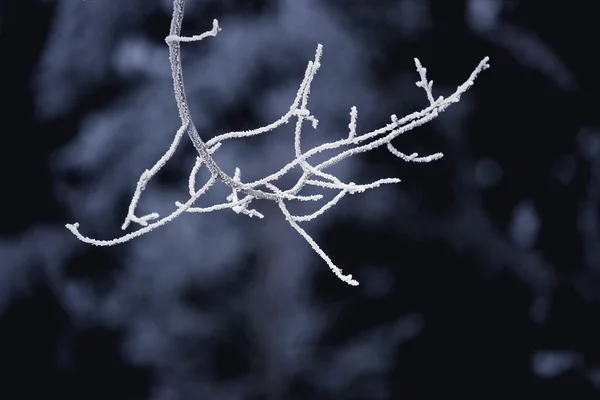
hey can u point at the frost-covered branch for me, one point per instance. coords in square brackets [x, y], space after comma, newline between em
[242, 194]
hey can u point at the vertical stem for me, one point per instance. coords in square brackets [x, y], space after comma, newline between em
[179, 87]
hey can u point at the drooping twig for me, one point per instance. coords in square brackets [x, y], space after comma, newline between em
[265, 188]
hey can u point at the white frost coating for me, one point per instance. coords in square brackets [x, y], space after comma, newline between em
[265, 188]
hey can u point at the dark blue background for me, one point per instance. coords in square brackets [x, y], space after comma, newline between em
[480, 273]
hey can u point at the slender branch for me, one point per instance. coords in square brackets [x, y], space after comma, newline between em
[299, 109]
[173, 40]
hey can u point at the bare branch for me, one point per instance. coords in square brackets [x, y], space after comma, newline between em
[357, 143]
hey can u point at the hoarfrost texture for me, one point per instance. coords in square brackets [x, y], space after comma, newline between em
[265, 188]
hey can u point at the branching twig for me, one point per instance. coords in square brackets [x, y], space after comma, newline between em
[358, 143]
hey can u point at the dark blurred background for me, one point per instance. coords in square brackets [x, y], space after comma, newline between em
[480, 272]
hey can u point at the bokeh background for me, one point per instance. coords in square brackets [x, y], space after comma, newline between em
[480, 272]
